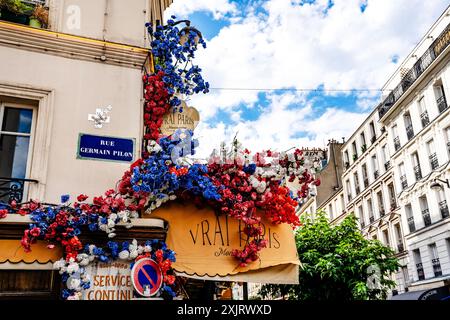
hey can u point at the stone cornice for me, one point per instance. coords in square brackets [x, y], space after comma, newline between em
[70, 46]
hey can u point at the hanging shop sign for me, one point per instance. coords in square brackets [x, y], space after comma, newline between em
[204, 243]
[105, 148]
[109, 281]
[187, 119]
[146, 277]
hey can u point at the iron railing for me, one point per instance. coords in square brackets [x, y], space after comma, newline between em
[393, 204]
[400, 247]
[371, 219]
[444, 209]
[387, 165]
[366, 182]
[434, 161]
[420, 273]
[12, 189]
[426, 217]
[424, 118]
[404, 181]
[410, 132]
[436, 267]
[417, 172]
[436, 48]
[411, 224]
[382, 212]
[376, 174]
[397, 143]
[442, 104]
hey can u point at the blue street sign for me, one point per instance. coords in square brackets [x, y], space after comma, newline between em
[105, 148]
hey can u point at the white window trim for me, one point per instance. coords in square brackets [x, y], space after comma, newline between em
[42, 134]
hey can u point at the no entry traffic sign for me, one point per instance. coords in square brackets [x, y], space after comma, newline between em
[146, 277]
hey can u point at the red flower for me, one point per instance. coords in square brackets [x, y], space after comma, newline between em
[82, 197]
[35, 232]
[3, 213]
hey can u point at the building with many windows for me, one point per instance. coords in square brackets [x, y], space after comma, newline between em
[396, 166]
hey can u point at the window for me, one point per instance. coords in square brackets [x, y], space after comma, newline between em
[370, 208]
[405, 275]
[392, 196]
[447, 140]
[440, 96]
[349, 190]
[356, 181]
[380, 203]
[410, 218]
[363, 142]
[398, 235]
[386, 157]
[342, 203]
[16, 138]
[330, 211]
[419, 266]
[416, 166]
[408, 126]
[425, 211]
[396, 137]
[355, 152]
[346, 160]
[442, 202]
[386, 237]
[361, 217]
[423, 112]
[403, 180]
[434, 163]
[376, 173]
[435, 260]
[365, 176]
[373, 135]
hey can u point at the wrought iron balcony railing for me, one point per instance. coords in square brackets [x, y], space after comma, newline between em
[411, 224]
[393, 204]
[373, 139]
[400, 247]
[382, 212]
[435, 49]
[436, 267]
[358, 191]
[13, 189]
[371, 219]
[426, 217]
[366, 182]
[404, 181]
[397, 143]
[424, 118]
[410, 132]
[444, 209]
[376, 174]
[417, 172]
[387, 165]
[442, 104]
[420, 273]
[434, 163]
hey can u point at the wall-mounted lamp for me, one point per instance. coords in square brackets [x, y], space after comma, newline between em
[437, 186]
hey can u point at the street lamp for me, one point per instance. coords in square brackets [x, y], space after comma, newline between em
[437, 186]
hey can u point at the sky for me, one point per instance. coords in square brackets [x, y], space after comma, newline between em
[296, 73]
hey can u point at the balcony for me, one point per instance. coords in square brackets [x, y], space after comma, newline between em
[404, 181]
[373, 139]
[424, 118]
[434, 161]
[417, 172]
[444, 209]
[420, 273]
[393, 204]
[387, 165]
[436, 267]
[358, 191]
[32, 13]
[400, 247]
[371, 219]
[376, 174]
[410, 132]
[12, 189]
[426, 217]
[442, 104]
[411, 224]
[397, 143]
[435, 49]
[366, 182]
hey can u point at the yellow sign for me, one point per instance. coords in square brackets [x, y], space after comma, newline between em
[203, 243]
[187, 119]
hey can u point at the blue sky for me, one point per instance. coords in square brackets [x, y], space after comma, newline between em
[335, 48]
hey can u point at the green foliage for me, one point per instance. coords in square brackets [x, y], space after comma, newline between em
[16, 6]
[337, 262]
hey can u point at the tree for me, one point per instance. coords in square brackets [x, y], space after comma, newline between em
[338, 263]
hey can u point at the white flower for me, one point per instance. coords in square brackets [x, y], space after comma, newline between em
[124, 254]
[133, 254]
[111, 235]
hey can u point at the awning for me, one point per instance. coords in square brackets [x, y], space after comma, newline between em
[11, 251]
[441, 293]
[203, 243]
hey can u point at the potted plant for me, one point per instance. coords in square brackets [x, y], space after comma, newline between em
[15, 11]
[39, 17]
[363, 147]
[355, 156]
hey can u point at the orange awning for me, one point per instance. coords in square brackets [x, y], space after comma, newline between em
[12, 251]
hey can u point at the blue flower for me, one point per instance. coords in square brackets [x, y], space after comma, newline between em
[65, 198]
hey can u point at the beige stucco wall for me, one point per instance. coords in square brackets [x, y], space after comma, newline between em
[79, 87]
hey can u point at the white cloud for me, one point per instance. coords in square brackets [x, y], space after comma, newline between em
[182, 8]
[305, 46]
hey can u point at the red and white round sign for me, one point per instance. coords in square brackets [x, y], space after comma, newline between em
[146, 277]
